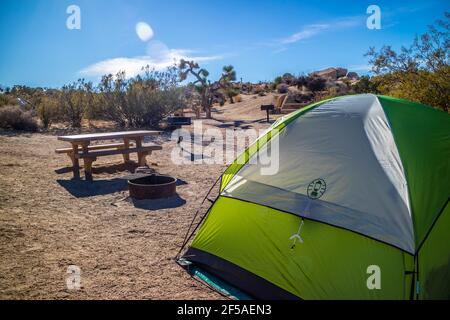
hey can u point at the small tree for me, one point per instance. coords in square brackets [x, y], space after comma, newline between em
[73, 101]
[419, 72]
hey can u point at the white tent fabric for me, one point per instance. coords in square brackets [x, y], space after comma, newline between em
[338, 164]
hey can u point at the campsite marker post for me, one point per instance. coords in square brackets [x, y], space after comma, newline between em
[267, 108]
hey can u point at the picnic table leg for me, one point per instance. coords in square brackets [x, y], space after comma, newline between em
[126, 156]
[88, 168]
[142, 158]
[87, 162]
[71, 157]
[141, 155]
[75, 162]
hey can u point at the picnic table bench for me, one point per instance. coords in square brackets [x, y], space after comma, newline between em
[132, 142]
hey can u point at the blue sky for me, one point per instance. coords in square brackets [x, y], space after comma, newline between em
[262, 39]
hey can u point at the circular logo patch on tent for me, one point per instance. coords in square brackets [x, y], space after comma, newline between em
[316, 189]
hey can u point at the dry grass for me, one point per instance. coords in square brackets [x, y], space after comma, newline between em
[125, 249]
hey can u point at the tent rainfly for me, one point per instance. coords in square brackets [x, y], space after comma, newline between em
[358, 208]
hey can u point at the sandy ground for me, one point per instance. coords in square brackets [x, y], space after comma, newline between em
[125, 248]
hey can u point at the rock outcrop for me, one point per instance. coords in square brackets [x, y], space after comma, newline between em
[331, 73]
[352, 76]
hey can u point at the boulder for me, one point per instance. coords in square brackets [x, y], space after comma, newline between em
[328, 73]
[297, 97]
[331, 73]
[282, 88]
[341, 72]
[352, 76]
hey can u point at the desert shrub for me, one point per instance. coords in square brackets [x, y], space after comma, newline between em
[231, 93]
[301, 81]
[288, 79]
[278, 80]
[6, 100]
[257, 89]
[365, 85]
[247, 88]
[142, 101]
[47, 111]
[28, 97]
[316, 84]
[13, 117]
[113, 98]
[219, 97]
[331, 93]
[94, 110]
[282, 88]
[193, 100]
[73, 101]
[148, 108]
[3, 100]
[296, 97]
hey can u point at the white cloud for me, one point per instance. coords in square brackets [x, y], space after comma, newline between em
[312, 30]
[349, 22]
[144, 31]
[158, 57]
[279, 50]
[305, 33]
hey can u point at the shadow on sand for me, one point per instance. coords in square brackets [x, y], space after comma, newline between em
[242, 124]
[83, 189]
[181, 182]
[109, 169]
[157, 204]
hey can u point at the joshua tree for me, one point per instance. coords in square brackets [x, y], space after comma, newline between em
[228, 74]
[225, 81]
[205, 88]
[202, 83]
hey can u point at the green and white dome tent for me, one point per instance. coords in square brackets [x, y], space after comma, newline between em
[358, 209]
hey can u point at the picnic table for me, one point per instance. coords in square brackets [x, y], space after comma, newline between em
[132, 141]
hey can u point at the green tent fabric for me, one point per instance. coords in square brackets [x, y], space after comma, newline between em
[357, 208]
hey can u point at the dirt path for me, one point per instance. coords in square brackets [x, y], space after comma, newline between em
[125, 250]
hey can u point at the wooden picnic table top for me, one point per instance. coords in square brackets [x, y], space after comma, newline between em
[108, 135]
